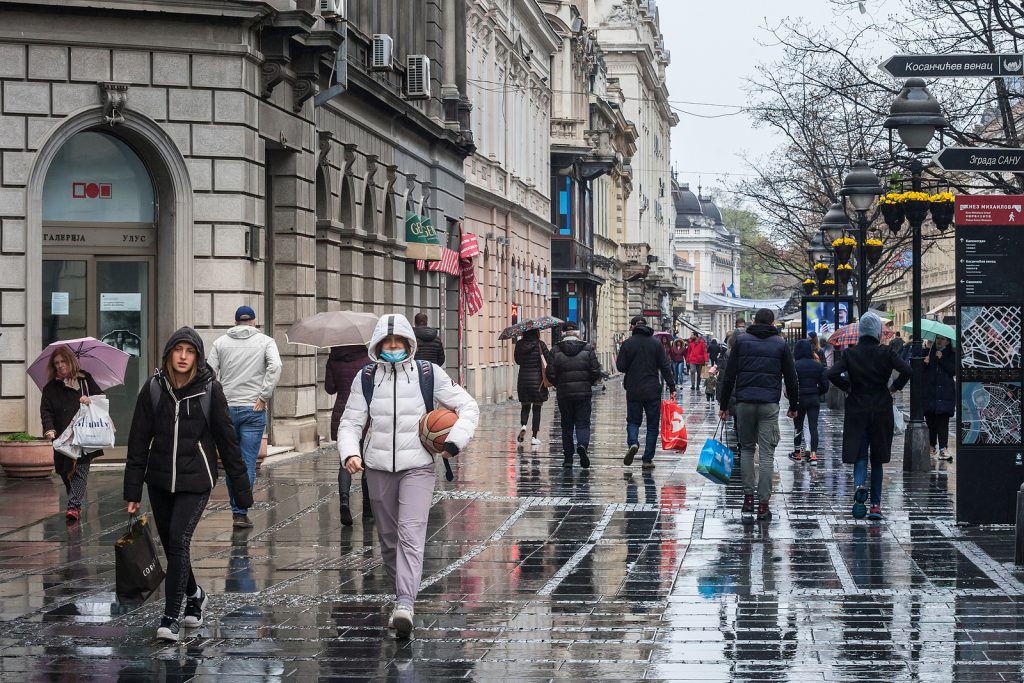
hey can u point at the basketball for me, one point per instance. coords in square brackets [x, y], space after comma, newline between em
[434, 428]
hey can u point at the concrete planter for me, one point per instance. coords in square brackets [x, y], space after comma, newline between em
[26, 459]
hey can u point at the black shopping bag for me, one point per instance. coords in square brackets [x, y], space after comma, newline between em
[137, 566]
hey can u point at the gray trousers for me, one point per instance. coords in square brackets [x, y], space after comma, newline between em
[758, 426]
[401, 504]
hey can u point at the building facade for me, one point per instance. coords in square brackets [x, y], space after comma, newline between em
[166, 163]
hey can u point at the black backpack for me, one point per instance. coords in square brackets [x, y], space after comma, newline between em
[426, 374]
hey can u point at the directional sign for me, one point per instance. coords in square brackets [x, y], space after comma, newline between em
[954, 66]
[980, 159]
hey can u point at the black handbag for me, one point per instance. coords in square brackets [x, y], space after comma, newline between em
[137, 566]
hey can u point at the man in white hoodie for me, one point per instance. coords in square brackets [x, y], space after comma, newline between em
[248, 366]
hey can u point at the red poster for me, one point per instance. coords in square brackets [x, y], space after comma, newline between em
[993, 209]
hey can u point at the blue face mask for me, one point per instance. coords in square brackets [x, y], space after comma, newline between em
[394, 356]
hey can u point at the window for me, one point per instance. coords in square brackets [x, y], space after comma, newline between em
[564, 218]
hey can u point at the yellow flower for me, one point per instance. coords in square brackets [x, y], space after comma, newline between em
[829, 282]
[891, 198]
[844, 241]
[942, 198]
[808, 281]
[916, 197]
[821, 266]
[873, 243]
[845, 266]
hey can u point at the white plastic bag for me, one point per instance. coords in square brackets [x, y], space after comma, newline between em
[65, 442]
[898, 421]
[93, 427]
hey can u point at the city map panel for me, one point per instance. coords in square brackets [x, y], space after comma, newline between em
[990, 413]
[990, 337]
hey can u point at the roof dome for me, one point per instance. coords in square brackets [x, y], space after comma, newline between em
[686, 201]
[711, 211]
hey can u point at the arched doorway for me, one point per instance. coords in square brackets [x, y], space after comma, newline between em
[99, 248]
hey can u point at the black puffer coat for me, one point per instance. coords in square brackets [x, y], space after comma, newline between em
[812, 375]
[643, 358]
[528, 358]
[343, 365]
[174, 448]
[758, 365]
[428, 345]
[573, 369]
[60, 404]
[863, 372]
[940, 381]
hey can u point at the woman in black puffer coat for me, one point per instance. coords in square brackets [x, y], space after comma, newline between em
[939, 394]
[532, 357]
[181, 423]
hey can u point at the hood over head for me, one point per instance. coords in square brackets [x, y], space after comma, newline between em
[870, 326]
[802, 350]
[392, 323]
[762, 331]
[185, 334]
[242, 331]
[642, 328]
[571, 344]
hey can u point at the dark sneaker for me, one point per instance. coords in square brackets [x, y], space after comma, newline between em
[814, 458]
[796, 456]
[763, 512]
[581, 451]
[567, 461]
[630, 454]
[241, 521]
[875, 512]
[346, 516]
[859, 498]
[194, 610]
[168, 630]
[647, 465]
[748, 505]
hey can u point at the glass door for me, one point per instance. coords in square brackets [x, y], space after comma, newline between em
[65, 296]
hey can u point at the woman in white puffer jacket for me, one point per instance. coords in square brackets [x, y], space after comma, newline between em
[399, 470]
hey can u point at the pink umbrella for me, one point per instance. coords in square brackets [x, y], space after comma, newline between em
[106, 364]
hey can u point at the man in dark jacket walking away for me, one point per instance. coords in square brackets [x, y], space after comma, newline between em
[642, 359]
[868, 422]
[428, 343]
[758, 365]
[714, 352]
[813, 379]
[573, 370]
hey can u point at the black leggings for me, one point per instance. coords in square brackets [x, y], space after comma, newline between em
[524, 415]
[811, 412]
[938, 429]
[176, 516]
[345, 486]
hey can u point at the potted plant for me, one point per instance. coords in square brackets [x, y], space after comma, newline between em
[891, 205]
[820, 272]
[808, 285]
[915, 206]
[828, 287]
[844, 272]
[942, 206]
[24, 456]
[873, 250]
[843, 248]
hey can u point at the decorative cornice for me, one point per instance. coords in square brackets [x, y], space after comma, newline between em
[371, 168]
[114, 98]
[350, 157]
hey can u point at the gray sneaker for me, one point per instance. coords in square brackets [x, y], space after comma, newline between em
[630, 454]
[402, 619]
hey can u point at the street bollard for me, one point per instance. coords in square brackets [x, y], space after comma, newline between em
[1018, 554]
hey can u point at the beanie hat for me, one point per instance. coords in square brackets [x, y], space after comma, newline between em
[638, 320]
[871, 326]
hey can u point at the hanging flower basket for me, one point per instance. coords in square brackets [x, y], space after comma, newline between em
[844, 273]
[892, 210]
[808, 286]
[916, 205]
[828, 287]
[942, 206]
[820, 272]
[873, 250]
[843, 248]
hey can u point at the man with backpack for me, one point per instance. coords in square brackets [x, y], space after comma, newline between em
[573, 370]
[248, 366]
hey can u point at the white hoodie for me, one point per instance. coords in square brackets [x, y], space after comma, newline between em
[392, 440]
[247, 365]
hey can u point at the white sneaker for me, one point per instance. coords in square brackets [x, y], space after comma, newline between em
[522, 434]
[402, 619]
[535, 441]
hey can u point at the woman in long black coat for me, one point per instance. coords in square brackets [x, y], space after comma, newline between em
[343, 365]
[939, 394]
[69, 388]
[531, 355]
[863, 372]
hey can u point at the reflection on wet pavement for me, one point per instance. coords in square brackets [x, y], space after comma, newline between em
[535, 572]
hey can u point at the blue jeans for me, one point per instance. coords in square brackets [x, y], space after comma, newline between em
[635, 411]
[680, 372]
[860, 473]
[575, 417]
[248, 426]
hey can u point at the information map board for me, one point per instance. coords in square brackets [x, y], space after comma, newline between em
[989, 298]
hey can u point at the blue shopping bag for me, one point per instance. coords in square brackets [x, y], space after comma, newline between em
[716, 460]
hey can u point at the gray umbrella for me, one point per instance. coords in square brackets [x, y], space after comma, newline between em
[333, 328]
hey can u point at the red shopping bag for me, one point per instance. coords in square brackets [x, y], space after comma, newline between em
[673, 427]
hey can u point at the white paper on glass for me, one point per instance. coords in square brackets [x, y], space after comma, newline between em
[59, 302]
[120, 301]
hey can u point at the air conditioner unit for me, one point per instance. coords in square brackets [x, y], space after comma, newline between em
[333, 9]
[417, 76]
[382, 58]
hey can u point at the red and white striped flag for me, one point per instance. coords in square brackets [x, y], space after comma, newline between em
[449, 263]
[472, 297]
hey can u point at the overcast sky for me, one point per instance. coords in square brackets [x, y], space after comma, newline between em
[715, 46]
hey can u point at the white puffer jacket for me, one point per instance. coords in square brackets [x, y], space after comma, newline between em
[393, 441]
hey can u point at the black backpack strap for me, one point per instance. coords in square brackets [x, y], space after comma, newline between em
[206, 400]
[154, 392]
[366, 376]
[426, 373]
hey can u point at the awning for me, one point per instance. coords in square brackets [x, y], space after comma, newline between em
[708, 299]
[943, 306]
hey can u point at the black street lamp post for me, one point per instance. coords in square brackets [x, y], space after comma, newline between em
[915, 115]
[834, 225]
[862, 188]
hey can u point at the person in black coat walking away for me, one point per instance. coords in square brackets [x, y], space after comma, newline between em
[813, 378]
[69, 388]
[573, 370]
[343, 365]
[714, 352]
[428, 344]
[642, 358]
[531, 355]
[181, 423]
[863, 372]
[939, 394]
[759, 364]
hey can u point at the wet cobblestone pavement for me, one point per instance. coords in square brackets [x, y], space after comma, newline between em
[534, 572]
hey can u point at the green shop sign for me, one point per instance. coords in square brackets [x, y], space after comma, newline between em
[421, 238]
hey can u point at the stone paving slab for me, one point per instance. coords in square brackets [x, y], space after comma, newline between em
[536, 573]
